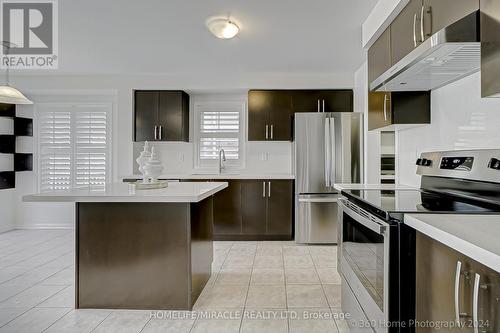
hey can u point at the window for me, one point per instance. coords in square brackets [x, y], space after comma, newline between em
[73, 146]
[220, 127]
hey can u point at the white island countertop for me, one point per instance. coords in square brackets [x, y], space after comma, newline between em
[476, 236]
[123, 192]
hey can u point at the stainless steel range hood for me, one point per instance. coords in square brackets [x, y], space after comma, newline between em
[450, 54]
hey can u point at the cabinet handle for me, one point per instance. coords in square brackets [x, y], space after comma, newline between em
[267, 132]
[323, 105]
[269, 189]
[385, 107]
[457, 292]
[161, 132]
[318, 107]
[475, 301]
[263, 189]
[414, 30]
[272, 130]
[422, 34]
[156, 128]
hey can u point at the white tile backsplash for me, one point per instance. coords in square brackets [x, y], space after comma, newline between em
[261, 157]
[461, 119]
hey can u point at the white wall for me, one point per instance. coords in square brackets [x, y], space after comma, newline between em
[371, 138]
[460, 120]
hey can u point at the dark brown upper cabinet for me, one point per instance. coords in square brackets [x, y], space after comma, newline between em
[438, 14]
[270, 112]
[405, 31]
[420, 19]
[161, 115]
[322, 101]
[270, 115]
[490, 48]
[396, 110]
[379, 56]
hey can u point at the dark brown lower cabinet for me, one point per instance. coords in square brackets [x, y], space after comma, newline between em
[253, 207]
[254, 210]
[227, 210]
[279, 207]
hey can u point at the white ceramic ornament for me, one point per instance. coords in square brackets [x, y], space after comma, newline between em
[153, 167]
[144, 156]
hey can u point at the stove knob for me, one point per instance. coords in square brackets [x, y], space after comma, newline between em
[494, 164]
[419, 162]
[427, 162]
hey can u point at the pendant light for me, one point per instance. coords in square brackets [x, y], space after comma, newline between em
[9, 94]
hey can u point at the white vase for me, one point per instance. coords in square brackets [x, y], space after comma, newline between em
[144, 156]
[153, 167]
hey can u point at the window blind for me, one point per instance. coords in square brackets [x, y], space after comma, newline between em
[73, 146]
[219, 129]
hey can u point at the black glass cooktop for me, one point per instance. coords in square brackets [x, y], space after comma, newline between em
[394, 203]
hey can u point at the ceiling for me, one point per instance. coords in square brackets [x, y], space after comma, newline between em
[170, 37]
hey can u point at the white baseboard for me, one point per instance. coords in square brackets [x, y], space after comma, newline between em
[6, 228]
[45, 226]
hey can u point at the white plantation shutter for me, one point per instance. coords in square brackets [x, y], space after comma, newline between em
[91, 146]
[220, 128]
[54, 137]
[73, 146]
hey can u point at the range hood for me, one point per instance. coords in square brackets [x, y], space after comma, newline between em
[449, 55]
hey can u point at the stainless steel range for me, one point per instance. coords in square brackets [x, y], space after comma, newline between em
[377, 251]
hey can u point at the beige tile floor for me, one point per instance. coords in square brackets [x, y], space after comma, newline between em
[255, 287]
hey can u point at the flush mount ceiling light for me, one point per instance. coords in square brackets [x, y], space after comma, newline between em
[222, 27]
[8, 94]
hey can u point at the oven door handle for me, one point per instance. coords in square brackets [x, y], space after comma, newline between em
[372, 225]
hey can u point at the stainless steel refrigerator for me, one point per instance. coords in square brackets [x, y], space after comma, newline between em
[328, 150]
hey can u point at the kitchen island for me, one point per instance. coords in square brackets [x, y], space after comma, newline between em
[141, 249]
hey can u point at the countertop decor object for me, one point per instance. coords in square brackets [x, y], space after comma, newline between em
[153, 167]
[141, 160]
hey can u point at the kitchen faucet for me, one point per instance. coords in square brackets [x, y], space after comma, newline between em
[222, 158]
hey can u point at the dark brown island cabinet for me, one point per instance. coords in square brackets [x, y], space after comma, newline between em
[254, 210]
[270, 112]
[161, 115]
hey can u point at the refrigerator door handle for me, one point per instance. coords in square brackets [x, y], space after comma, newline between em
[332, 152]
[327, 152]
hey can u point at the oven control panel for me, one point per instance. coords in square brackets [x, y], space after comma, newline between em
[457, 163]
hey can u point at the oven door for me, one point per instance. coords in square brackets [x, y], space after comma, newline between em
[364, 261]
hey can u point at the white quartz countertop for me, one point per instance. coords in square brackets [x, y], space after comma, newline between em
[209, 176]
[340, 187]
[476, 236]
[123, 192]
